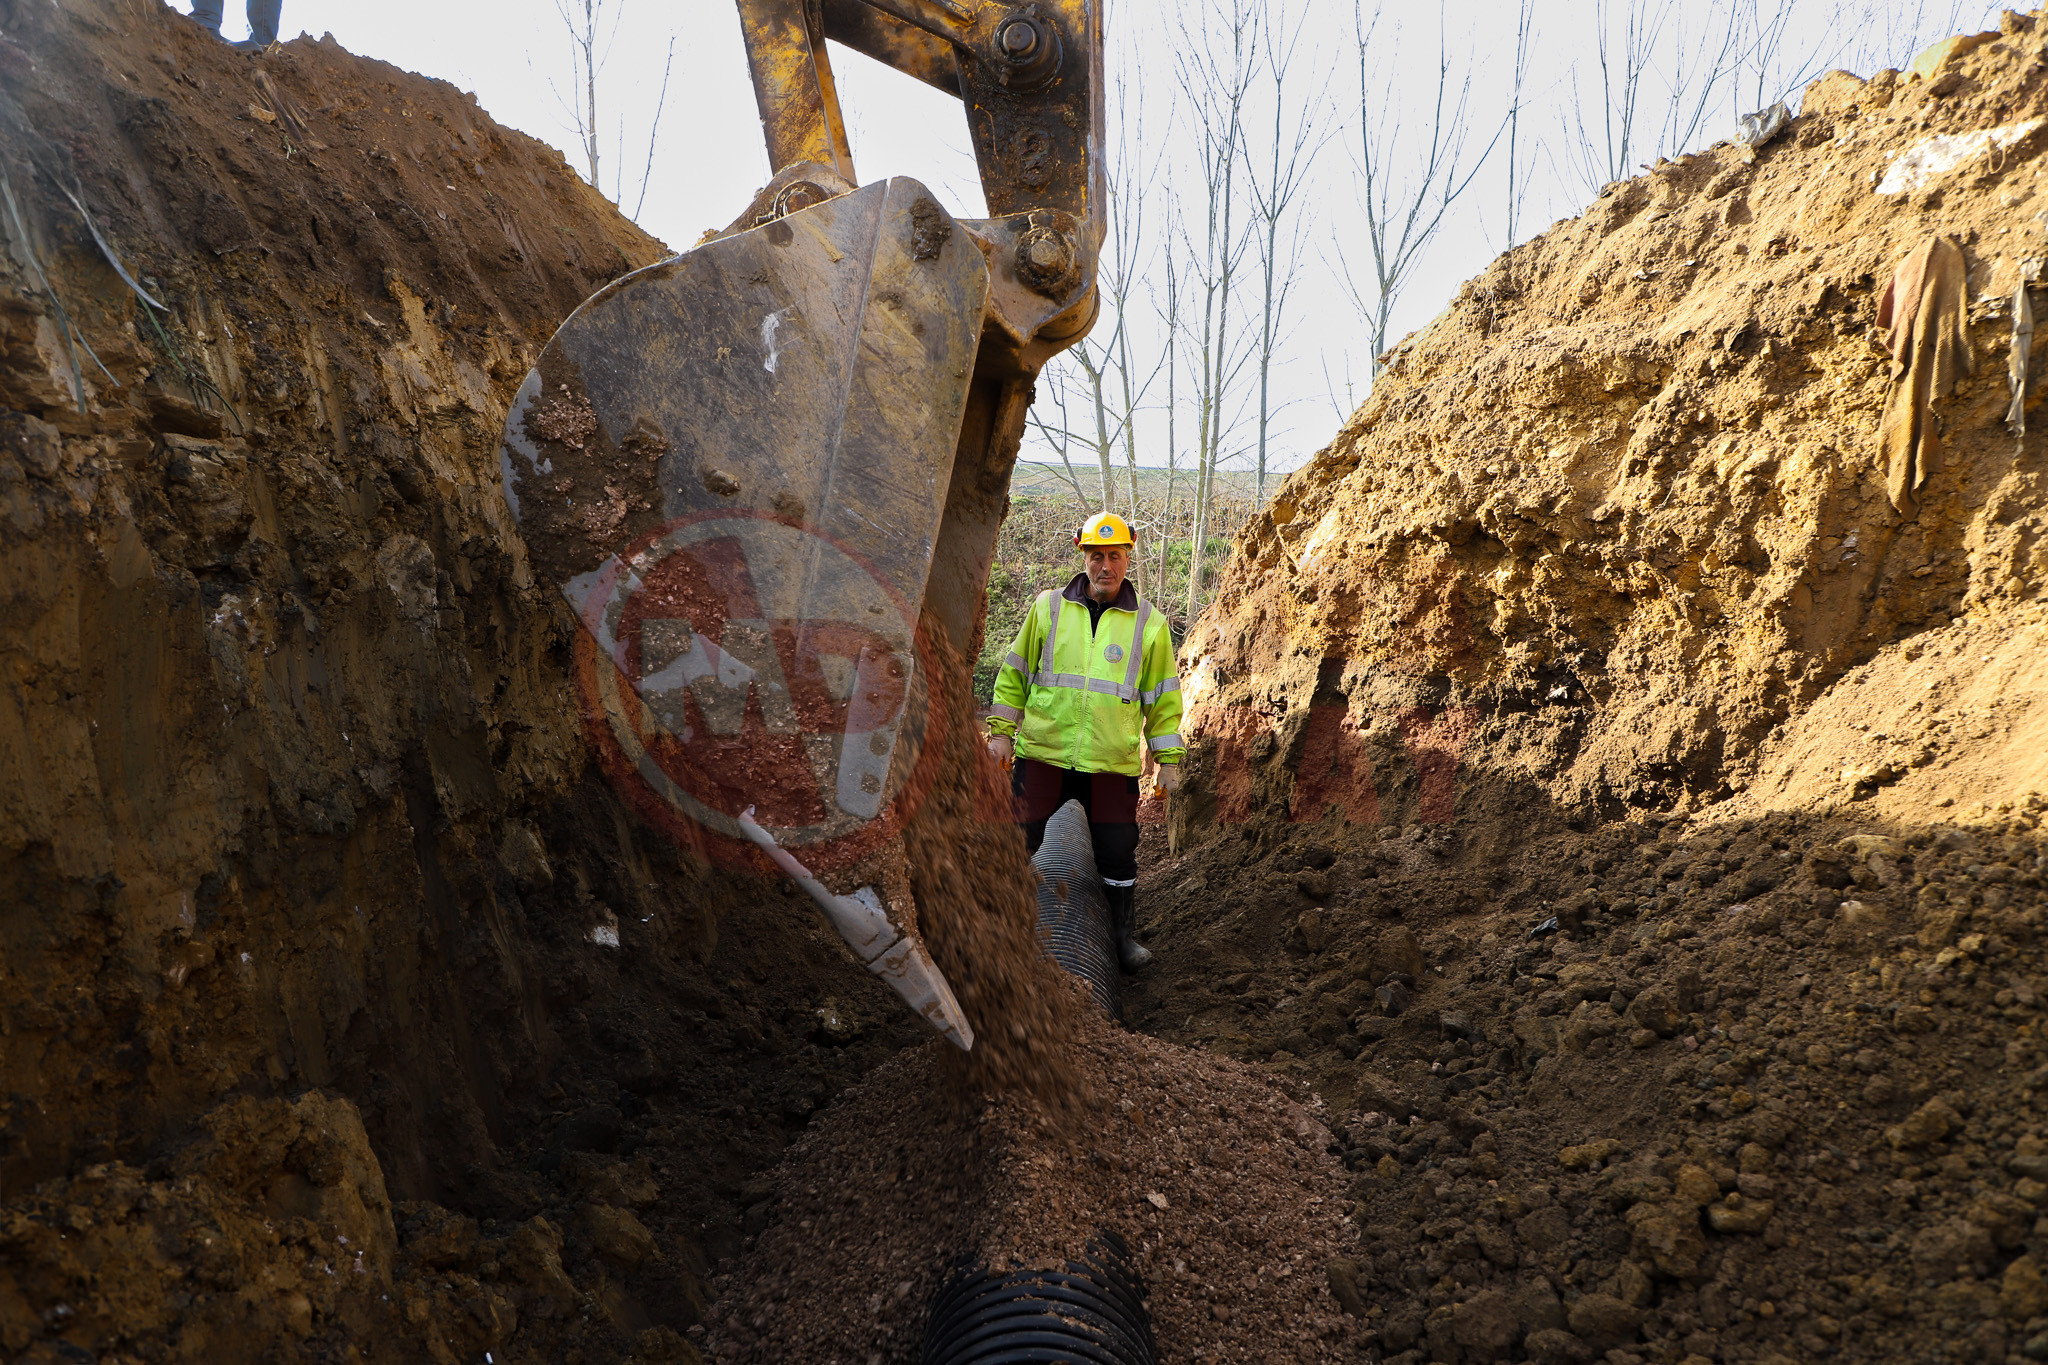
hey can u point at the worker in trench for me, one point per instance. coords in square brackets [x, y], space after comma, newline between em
[1087, 691]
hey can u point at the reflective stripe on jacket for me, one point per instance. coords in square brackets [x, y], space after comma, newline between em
[1087, 699]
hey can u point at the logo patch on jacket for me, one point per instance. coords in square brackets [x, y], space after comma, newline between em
[1113, 653]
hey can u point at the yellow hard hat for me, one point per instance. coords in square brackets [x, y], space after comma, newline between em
[1106, 528]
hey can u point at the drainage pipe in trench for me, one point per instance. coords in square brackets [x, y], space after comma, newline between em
[1073, 914]
[1091, 1312]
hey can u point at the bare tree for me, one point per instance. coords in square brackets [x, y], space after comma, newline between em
[1056, 432]
[1654, 81]
[1112, 377]
[587, 55]
[1887, 33]
[1128, 261]
[653, 130]
[1703, 53]
[1348, 404]
[1276, 179]
[1215, 72]
[1518, 84]
[1408, 179]
[1773, 56]
[1170, 315]
[1661, 70]
[591, 35]
[1080, 369]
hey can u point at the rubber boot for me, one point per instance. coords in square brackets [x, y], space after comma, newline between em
[1123, 925]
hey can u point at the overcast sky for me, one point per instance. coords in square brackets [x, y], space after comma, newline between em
[708, 159]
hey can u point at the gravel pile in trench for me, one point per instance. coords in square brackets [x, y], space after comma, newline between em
[1224, 1187]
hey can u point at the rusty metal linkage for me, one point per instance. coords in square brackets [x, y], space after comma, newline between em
[1030, 79]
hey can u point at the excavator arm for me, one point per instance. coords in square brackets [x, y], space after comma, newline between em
[1029, 78]
[767, 474]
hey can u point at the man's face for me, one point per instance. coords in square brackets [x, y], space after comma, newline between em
[1107, 565]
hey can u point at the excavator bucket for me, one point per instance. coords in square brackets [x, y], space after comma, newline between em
[733, 466]
[767, 475]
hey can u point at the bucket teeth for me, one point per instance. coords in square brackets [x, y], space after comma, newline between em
[898, 958]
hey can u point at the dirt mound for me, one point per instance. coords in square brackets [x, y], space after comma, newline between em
[1950, 720]
[1623, 499]
[1627, 819]
[1530, 1093]
[314, 900]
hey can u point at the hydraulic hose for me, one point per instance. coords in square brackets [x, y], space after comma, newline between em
[1090, 1313]
[1073, 916]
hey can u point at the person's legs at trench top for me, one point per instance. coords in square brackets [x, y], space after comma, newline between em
[1111, 800]
[263, 18]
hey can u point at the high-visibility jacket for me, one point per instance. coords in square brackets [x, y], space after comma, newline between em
[1091, 698]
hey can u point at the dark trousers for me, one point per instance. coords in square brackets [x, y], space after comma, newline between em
[263, 16]
[1111, 800]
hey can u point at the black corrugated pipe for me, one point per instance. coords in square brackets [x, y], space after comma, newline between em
[1091, 1313]
[1073, 917]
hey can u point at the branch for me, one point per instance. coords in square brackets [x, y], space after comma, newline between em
[660, 104]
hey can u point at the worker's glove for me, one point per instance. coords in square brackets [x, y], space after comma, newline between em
[1166, 778]
[1003, 750]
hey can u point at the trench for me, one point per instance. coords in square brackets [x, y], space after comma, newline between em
[1676, 996]
[345, 1005]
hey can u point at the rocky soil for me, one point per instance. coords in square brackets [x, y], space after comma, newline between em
[1734, 1088]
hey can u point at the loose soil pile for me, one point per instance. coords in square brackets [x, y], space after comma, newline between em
[1735, 1088]
[1223, 1187]
[1628, 821]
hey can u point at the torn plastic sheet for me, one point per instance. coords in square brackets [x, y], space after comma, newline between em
[1754, 130]
[1935, 156]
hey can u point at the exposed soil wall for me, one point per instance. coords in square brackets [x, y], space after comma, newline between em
[1620, 508]
[304, 1033]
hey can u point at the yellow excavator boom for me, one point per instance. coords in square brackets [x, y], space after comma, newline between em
[765, 472]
